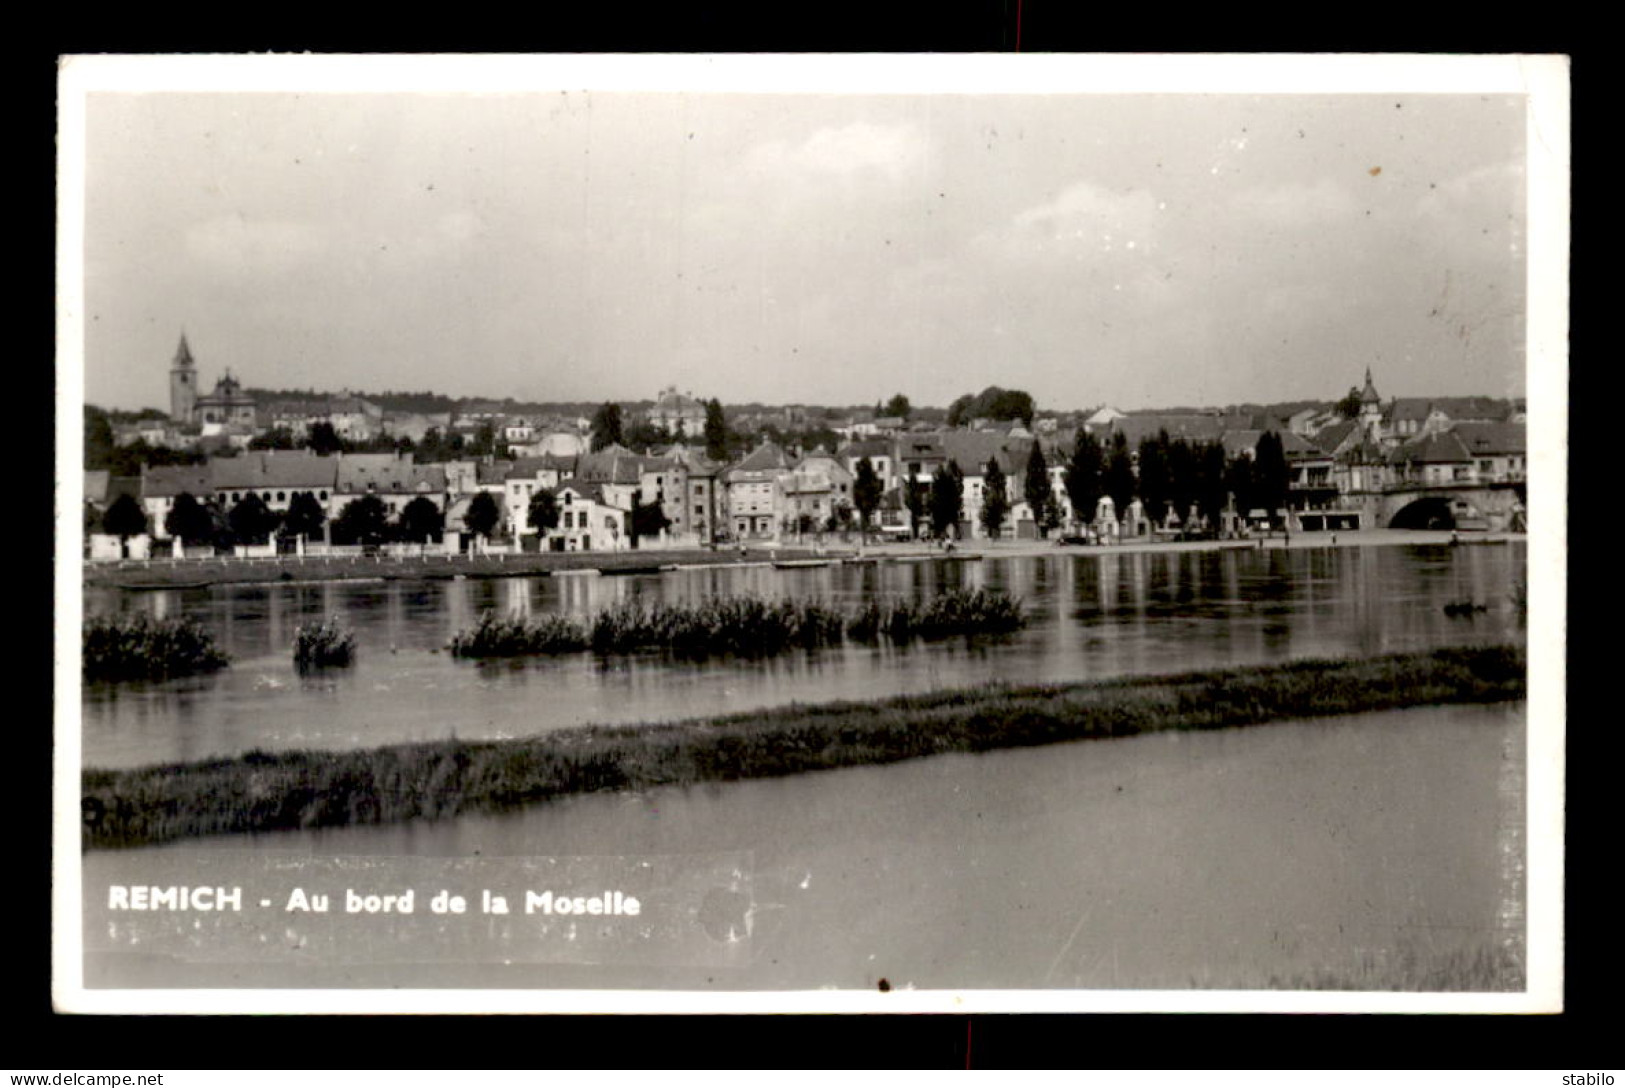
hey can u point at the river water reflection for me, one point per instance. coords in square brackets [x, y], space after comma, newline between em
[1367, 852]
[1091, 615]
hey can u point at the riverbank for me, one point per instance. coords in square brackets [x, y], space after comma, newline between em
[1343, 538]
[226, 570]
[193, 573]
[263, 791]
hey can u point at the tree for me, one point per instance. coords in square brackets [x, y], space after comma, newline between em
[421, 520]
[482, 515]
[644, 434]
[187, 520]
[995, 499]
[1271, 475]
[305, 516]
[716, 431]
[1349, 406]
[1183, 478]
[1154, 485]
[898, 406]
[866, 492]
[433, 447]
[1050, 518]
[1118, 479]
[124, 519]
[648, 519]
[1036, 489]
[992, 403]
[99, 441]
[606, 426]
[1083, 476]
[277, 438]
[362, 521]
[916, 497]
[251, 521]
[1008, 404]
[1212, 490]
[543, 513]
[947, 498]
[485, 440]
[1238, 482]
[323, 438]
[127, 460]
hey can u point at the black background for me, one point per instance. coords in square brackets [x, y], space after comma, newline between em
[39, 1039]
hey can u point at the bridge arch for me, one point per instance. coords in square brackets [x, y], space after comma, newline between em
[1425, 512]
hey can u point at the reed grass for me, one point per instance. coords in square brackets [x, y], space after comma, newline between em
[139, 647]
[494, 637]
[268, 791]
[326, 644]
[742, 626]
[956, 612]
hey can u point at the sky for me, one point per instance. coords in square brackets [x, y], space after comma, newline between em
[1139, 250]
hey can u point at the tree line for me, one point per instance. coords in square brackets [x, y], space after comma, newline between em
[208, 522]
[364, 520]
[1169, 476]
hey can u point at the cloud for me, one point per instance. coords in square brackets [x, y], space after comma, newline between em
[1089, 218]
[1295, 205]
[860, 148]
[236, 244]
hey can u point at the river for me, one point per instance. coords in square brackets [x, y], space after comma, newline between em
[1091, 615]
[1369, 852]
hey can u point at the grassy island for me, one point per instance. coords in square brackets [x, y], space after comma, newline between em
[138, 647]
[268, 791]
[742, 626]
[323, 645]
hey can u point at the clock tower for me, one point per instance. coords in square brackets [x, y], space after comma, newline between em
[182, 384]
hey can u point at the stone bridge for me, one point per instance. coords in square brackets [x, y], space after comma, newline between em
[1497, 506]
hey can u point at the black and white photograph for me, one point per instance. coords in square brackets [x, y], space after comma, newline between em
[809, 533]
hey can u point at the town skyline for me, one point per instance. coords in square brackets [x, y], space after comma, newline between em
[1141, 250]
[157, 401]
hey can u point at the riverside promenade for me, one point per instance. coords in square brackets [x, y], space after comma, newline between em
[186, 573]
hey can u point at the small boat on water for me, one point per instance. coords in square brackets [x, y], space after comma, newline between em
[789, 564]
[162, 585]
[653, 568]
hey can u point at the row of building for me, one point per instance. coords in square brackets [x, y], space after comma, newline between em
[227, 416]
[773, 492]
[1334, 457]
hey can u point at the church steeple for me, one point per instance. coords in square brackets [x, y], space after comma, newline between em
[1371, 409]
[182, 384]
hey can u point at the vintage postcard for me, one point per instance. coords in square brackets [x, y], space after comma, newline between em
[803, 533]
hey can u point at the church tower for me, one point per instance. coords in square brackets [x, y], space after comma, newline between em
[1370, 409]
[182, 384]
